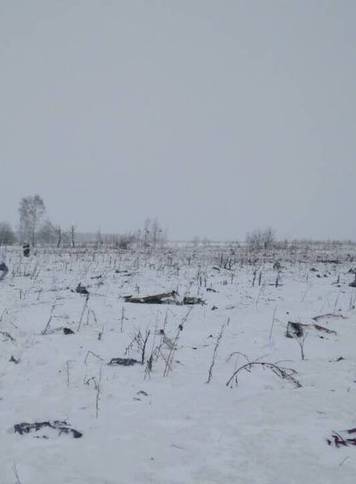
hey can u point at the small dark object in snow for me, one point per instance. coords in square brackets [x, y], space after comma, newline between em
[344, 438]
[189, 300]
[313, 269]
[180, 327]
[96, 277]
[67, 331]
[142, 392]
[210, 289]
[340, 358]
[214, 308]
[353, 284]
[161, 331]
[81, 289]
[60, 425]
[14, 360]
[295, 330]
[123, 362]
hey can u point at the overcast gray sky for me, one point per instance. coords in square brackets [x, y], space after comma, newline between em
[215, 116]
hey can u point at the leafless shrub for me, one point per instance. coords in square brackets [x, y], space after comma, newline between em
[140, 342]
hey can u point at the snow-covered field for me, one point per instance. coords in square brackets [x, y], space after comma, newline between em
[161, 422]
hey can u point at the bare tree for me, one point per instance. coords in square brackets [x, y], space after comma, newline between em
[31, 211]
[47, 233]
[261, 239]
[153, 234]
[58, 230]
[99, 239]
[7, 235]
[156, 232]
[72, 235]
[146, 232]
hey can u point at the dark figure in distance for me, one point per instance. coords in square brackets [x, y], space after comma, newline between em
[3, 267]
[26, 249]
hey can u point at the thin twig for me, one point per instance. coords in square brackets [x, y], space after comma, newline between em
[284, 373]
[217, 344]
[83, 311]
[14, 468]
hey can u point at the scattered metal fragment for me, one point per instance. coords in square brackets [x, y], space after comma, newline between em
[62, 426]
[344, 438]
[123, 362]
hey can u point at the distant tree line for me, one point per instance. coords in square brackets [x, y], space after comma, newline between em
[36, 228]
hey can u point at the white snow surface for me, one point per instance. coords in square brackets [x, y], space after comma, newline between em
[177, 429]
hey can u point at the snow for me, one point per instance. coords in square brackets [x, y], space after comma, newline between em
[176, 429]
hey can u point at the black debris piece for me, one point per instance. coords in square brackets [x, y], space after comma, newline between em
[123, 362]
[62, 426]
[189, 300]
[163, 298]
[295, 330]
[323, 329]
[344, 438]
[81, 289]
